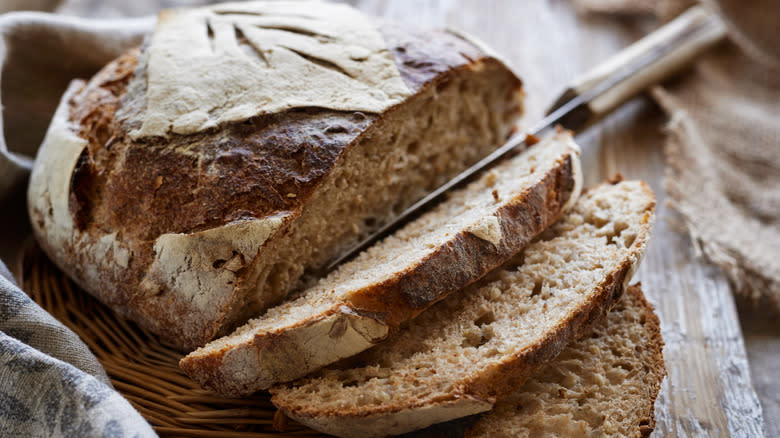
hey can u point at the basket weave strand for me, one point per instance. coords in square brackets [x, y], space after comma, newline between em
[145, 371]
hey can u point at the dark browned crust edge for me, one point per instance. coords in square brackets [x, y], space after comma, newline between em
[515, 370]
[658, 369]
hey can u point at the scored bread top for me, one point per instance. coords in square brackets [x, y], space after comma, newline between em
[605, 384]
[475, 230]
[231, 62]
[461, 355]
[175, 232]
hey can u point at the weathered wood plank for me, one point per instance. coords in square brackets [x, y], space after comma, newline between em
[761, 331]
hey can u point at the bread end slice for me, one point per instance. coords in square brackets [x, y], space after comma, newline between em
[267, 358]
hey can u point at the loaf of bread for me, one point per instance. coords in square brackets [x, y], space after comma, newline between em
[478, 345]
[193, 181]
[474, 231]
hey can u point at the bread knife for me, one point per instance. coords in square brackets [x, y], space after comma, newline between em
[589, 98]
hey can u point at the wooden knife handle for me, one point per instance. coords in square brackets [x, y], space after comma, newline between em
[648, 61]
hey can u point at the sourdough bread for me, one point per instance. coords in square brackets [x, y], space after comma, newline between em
[189, 186]
[605, 384]
[475, 230]
[461, 355]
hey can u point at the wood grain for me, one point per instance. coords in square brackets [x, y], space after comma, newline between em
[708, 391]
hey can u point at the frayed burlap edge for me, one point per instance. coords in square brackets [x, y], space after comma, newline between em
[685, 147]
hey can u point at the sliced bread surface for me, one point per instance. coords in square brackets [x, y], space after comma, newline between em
[605, 384]
[475, 230]
[460, 356]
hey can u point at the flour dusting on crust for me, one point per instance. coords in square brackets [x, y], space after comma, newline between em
[488, 228]
[198, 264]
[234, 61]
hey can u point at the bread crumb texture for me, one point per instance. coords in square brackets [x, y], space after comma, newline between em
[488, 338]
[605, 384]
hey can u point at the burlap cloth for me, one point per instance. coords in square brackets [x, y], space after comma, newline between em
[723, 177]
[723, 143]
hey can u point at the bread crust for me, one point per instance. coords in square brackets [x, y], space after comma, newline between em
[464, 258]
[129, 202]
[389, 424]
[646, 425]
[500, 379]
[282, 356]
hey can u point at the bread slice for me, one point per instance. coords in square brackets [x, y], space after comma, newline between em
[605, 384]
[460, 356]
[477, 229]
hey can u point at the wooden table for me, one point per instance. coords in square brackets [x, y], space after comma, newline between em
[708, 391]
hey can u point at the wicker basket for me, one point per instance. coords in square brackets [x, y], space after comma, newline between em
[145, 371]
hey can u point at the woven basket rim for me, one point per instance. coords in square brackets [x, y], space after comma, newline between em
[144, 370]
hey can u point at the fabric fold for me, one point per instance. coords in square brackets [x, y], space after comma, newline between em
[50, 383]
[40, 53]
